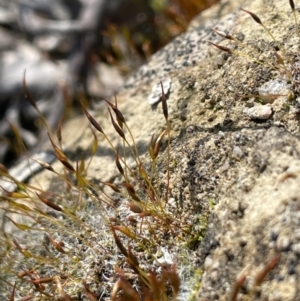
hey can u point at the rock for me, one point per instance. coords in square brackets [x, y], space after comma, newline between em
[237, 153]
[260, 112]
[156, 93]
[246, 225]
[271, 90]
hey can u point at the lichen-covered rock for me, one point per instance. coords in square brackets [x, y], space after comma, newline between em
[236, 177]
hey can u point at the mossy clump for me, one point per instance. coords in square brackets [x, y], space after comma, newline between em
[92, 239]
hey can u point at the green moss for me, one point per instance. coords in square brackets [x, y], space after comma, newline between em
[196, 284]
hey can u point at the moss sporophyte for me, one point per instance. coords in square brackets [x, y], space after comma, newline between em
[284, 63]
[123, 239]
[94, 239]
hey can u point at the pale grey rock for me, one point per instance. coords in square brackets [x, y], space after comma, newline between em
[260, 112]
[237, 153]
[271, 90]
[156, 93]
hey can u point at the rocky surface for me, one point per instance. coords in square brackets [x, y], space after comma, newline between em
[56, 40]
[240, 169]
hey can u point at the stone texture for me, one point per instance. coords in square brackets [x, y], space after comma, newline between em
[248, 169]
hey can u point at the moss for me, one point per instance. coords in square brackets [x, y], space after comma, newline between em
[82, 232]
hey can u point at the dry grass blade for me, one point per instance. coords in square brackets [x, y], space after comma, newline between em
[238, 284]
[132, 259]
[33, 103]
[112, 186]
[82, 182]
[164, 102]
[126, 231]
[16, 195]
[292, 4]
[263, 273]
[146, 292]
[127, 292]
[155, 286]
[21, 274]
[279, 58]
[28, 94]
[173, 279]
[21, 250]
[223, 48]
[58, 132]
[62, 295]
[135, 208]
[18, 144]
[158, 144]
[223, 34]
[115, 291]
[165, 112]
[131, 191]
[134, 264]
[92, 120]
[151, 147]
[118, 113]
[115, 125]
[254, 16]
[57, 245]
[143, 172]
[61, 156]
[119, 244]
[95, 144]
[12, 296]
[30, 274]
[58, 152]
[88, 292]
[42, 280]
[44, 165]
[49, 203]
[22, 227]
[94, 148]
[20, 207]
[118, 164]
[67, 164]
